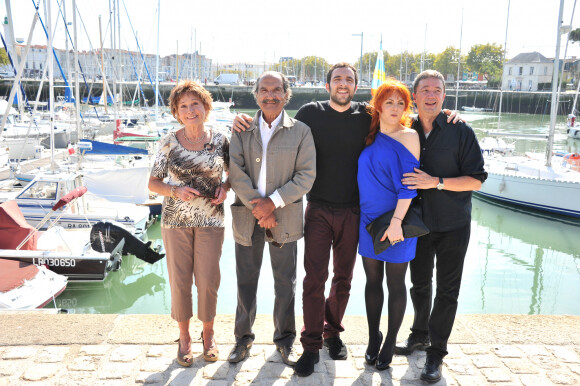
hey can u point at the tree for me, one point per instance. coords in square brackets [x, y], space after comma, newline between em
[446, 61]
[369, 61]
[574, 35]
[486, 59]
[3, 57]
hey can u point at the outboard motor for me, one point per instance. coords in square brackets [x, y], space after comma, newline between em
[109, 235]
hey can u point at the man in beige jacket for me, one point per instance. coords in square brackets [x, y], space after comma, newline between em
[272, 166]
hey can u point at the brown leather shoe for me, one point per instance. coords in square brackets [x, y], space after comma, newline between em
[289, 355]
[239, 352]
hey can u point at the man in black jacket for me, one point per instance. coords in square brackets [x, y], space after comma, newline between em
[451, 168]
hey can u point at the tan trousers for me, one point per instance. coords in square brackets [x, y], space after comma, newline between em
[193, 253]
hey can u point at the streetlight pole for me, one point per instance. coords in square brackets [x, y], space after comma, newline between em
[361, 54]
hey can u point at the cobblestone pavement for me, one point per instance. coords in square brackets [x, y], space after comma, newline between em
[31, 356]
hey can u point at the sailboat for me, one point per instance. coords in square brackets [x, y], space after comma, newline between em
[541, 183]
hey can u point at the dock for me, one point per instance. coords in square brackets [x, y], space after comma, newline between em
[73, 349]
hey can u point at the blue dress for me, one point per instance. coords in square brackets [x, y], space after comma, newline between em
[380, 170]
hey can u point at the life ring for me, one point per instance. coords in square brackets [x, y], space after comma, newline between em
[573, 159]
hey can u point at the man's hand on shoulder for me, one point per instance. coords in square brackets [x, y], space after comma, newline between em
[453, 115]
[242, 122]
[419, 180]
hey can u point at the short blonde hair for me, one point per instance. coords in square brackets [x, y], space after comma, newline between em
[185, 87]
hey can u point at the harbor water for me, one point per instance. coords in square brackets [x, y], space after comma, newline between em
[518, 262]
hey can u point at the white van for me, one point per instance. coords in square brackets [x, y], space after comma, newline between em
[227, 79]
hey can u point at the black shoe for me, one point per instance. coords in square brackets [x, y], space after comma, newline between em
[372, 358]
[336, 349]
[414, 342]
[288, 354]
[384, 360]
[239, 352]
[305, 365]
[432, 371]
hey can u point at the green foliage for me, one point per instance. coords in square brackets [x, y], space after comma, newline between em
[307, 69]
[369, 61]
[574, 35]
[446, 62]
[3, 57]
[486, 59]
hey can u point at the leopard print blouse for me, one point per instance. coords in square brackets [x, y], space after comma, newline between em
[199, 169]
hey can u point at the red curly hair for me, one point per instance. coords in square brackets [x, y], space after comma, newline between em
[390, 87]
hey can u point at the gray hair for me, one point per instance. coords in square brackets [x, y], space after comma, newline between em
[426, 75]
[285, 85]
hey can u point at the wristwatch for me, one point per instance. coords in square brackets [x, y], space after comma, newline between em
[440, 185]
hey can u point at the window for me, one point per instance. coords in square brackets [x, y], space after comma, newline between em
[509, 71]
[531, 70]
[521, 72]
[546, 70]
[41, 189]
[530, 84]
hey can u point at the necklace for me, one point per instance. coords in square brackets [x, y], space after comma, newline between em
[198, 140]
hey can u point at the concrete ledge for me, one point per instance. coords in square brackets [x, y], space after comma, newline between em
[46, 329]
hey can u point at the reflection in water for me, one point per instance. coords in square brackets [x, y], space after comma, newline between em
[526, 262]
[518, 262]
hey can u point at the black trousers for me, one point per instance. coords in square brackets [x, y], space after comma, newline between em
[436, 318]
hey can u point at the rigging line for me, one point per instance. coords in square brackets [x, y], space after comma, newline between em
[141, 52]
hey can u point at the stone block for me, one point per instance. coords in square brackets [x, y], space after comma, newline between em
[217, 370]
[149, 378]
[23, 352]
[40, 372]
[116, 370]
[504, 351]
[341, 369]
[520, 366]
[474, 349]
[211, 382]
[534, 380]
[125, 353]
[52, 354]
[496, 375]
[245, 378]
[161, 350]
[485, 361]
[94, 350]
[253, 363]
[460, 366]
[534, 350]
[316, 378]
[83, 363]
[156, 365]
[470, 380]
[565, 354]
[454, 351]
[561, 377]
[357, 351]
[545, 362]
[9, 368]
[575, 369]
[272, 370]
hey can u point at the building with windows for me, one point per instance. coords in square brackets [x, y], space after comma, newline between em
[526, 71]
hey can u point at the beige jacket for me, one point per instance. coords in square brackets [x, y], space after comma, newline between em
[291, 170]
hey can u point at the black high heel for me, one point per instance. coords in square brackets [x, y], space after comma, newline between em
[383, 365]
[372, 358]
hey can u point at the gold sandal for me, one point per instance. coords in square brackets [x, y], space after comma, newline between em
[212, 354]
[184, 360]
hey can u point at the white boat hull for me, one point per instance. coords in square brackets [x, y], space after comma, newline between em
[540, 188]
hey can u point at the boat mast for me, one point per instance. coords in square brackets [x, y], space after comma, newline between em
[459, 62]
[77, 72]
[104, 78]
[157, 64]
[555, 73]
[503, 65]
[53, 165]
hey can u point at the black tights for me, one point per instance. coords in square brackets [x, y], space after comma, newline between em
[374, 298]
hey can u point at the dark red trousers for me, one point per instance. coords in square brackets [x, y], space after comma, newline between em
[326, 227]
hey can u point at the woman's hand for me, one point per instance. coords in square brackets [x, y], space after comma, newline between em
[394, 232]
[220, 195]
[186, 193]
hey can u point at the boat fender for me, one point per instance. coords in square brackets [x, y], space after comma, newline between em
[109, 235]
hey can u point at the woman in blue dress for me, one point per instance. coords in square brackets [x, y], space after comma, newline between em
[392, 149]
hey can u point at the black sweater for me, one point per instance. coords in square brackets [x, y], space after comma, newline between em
[339, 138]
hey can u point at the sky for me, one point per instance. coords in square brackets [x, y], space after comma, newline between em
[263, 31]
